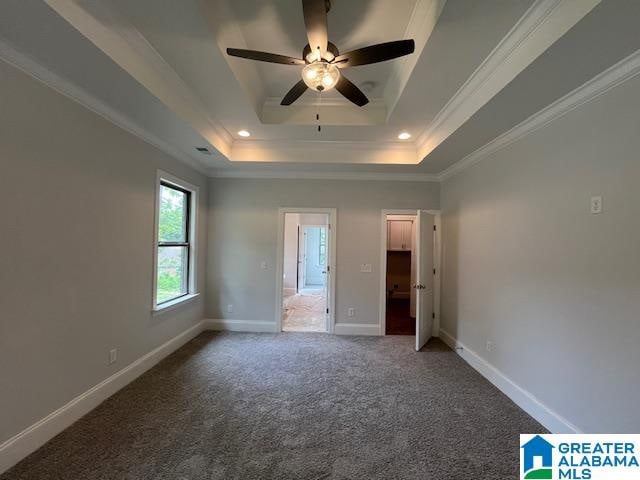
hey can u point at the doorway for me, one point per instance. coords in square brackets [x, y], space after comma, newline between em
[409, 278]
[400, 275]
[305, 298]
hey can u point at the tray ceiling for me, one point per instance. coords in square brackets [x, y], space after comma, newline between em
[467, 52]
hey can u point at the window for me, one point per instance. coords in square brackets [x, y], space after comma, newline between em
[322, 244]
[174, 277]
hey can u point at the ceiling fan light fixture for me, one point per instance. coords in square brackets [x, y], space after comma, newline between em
[320, 76]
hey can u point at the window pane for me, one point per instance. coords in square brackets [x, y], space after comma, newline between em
[172, 273]
[173, 215]
[323, 246]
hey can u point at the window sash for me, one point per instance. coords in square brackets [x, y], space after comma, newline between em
[185, 244]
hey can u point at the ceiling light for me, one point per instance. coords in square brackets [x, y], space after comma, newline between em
[244, 133]
[320, 76]
[404, 136]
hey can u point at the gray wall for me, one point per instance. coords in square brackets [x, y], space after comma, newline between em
[243, 217]
[555, 288]
[77, 201]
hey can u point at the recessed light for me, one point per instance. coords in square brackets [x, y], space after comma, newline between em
[244, 133]
[404, 136]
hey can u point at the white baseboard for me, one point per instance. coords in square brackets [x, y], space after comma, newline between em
[287, 292]
[241, 325]
[33, 437]
[357, 329]
[521, 397]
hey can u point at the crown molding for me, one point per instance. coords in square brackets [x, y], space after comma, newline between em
[25, 63]
[323, 152]
[423, 20]
[301, 175]
[332, 144]
[127, 47]
[614, 76]
[541, 25]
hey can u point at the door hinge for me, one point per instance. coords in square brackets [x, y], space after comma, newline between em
[328, 268]
[327, 310]
[434, 271]
[433, 315]
[434, 228]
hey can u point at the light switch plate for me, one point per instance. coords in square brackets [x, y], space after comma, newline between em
[351, 312]
[365, 268]
[596, 204]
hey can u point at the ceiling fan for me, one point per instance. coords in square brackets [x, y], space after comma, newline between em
[321, 61]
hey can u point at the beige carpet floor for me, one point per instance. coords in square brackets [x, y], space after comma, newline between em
[305, 312]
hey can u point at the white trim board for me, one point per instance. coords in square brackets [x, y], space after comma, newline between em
[357, 329]
[541, 25]
[257, 326]
[305, 175]
[617, 74]
[30, 439]
[521, 397]
[240, 325]
[31, 67]
[119, 39]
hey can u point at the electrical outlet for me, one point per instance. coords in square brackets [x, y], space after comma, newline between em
[229, 308]
[596, 204]
[113, 355]
[351, 312]
[489, 346]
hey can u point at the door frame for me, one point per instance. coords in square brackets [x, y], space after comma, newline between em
[437, 257]
[331, 262]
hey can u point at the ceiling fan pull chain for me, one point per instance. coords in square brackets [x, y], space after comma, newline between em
[318, 111]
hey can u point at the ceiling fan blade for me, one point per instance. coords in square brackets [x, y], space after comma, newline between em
[264, 56]
[293, 94]
[315, 20]
[351, 92]
[375, 53]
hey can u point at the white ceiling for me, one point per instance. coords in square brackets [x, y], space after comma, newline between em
[161, 71]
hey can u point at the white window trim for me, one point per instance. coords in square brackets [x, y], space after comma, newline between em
[193, 293]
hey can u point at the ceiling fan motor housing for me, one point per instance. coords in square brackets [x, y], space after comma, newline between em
[332, 52]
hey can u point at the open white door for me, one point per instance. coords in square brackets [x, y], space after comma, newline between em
[424, 278]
